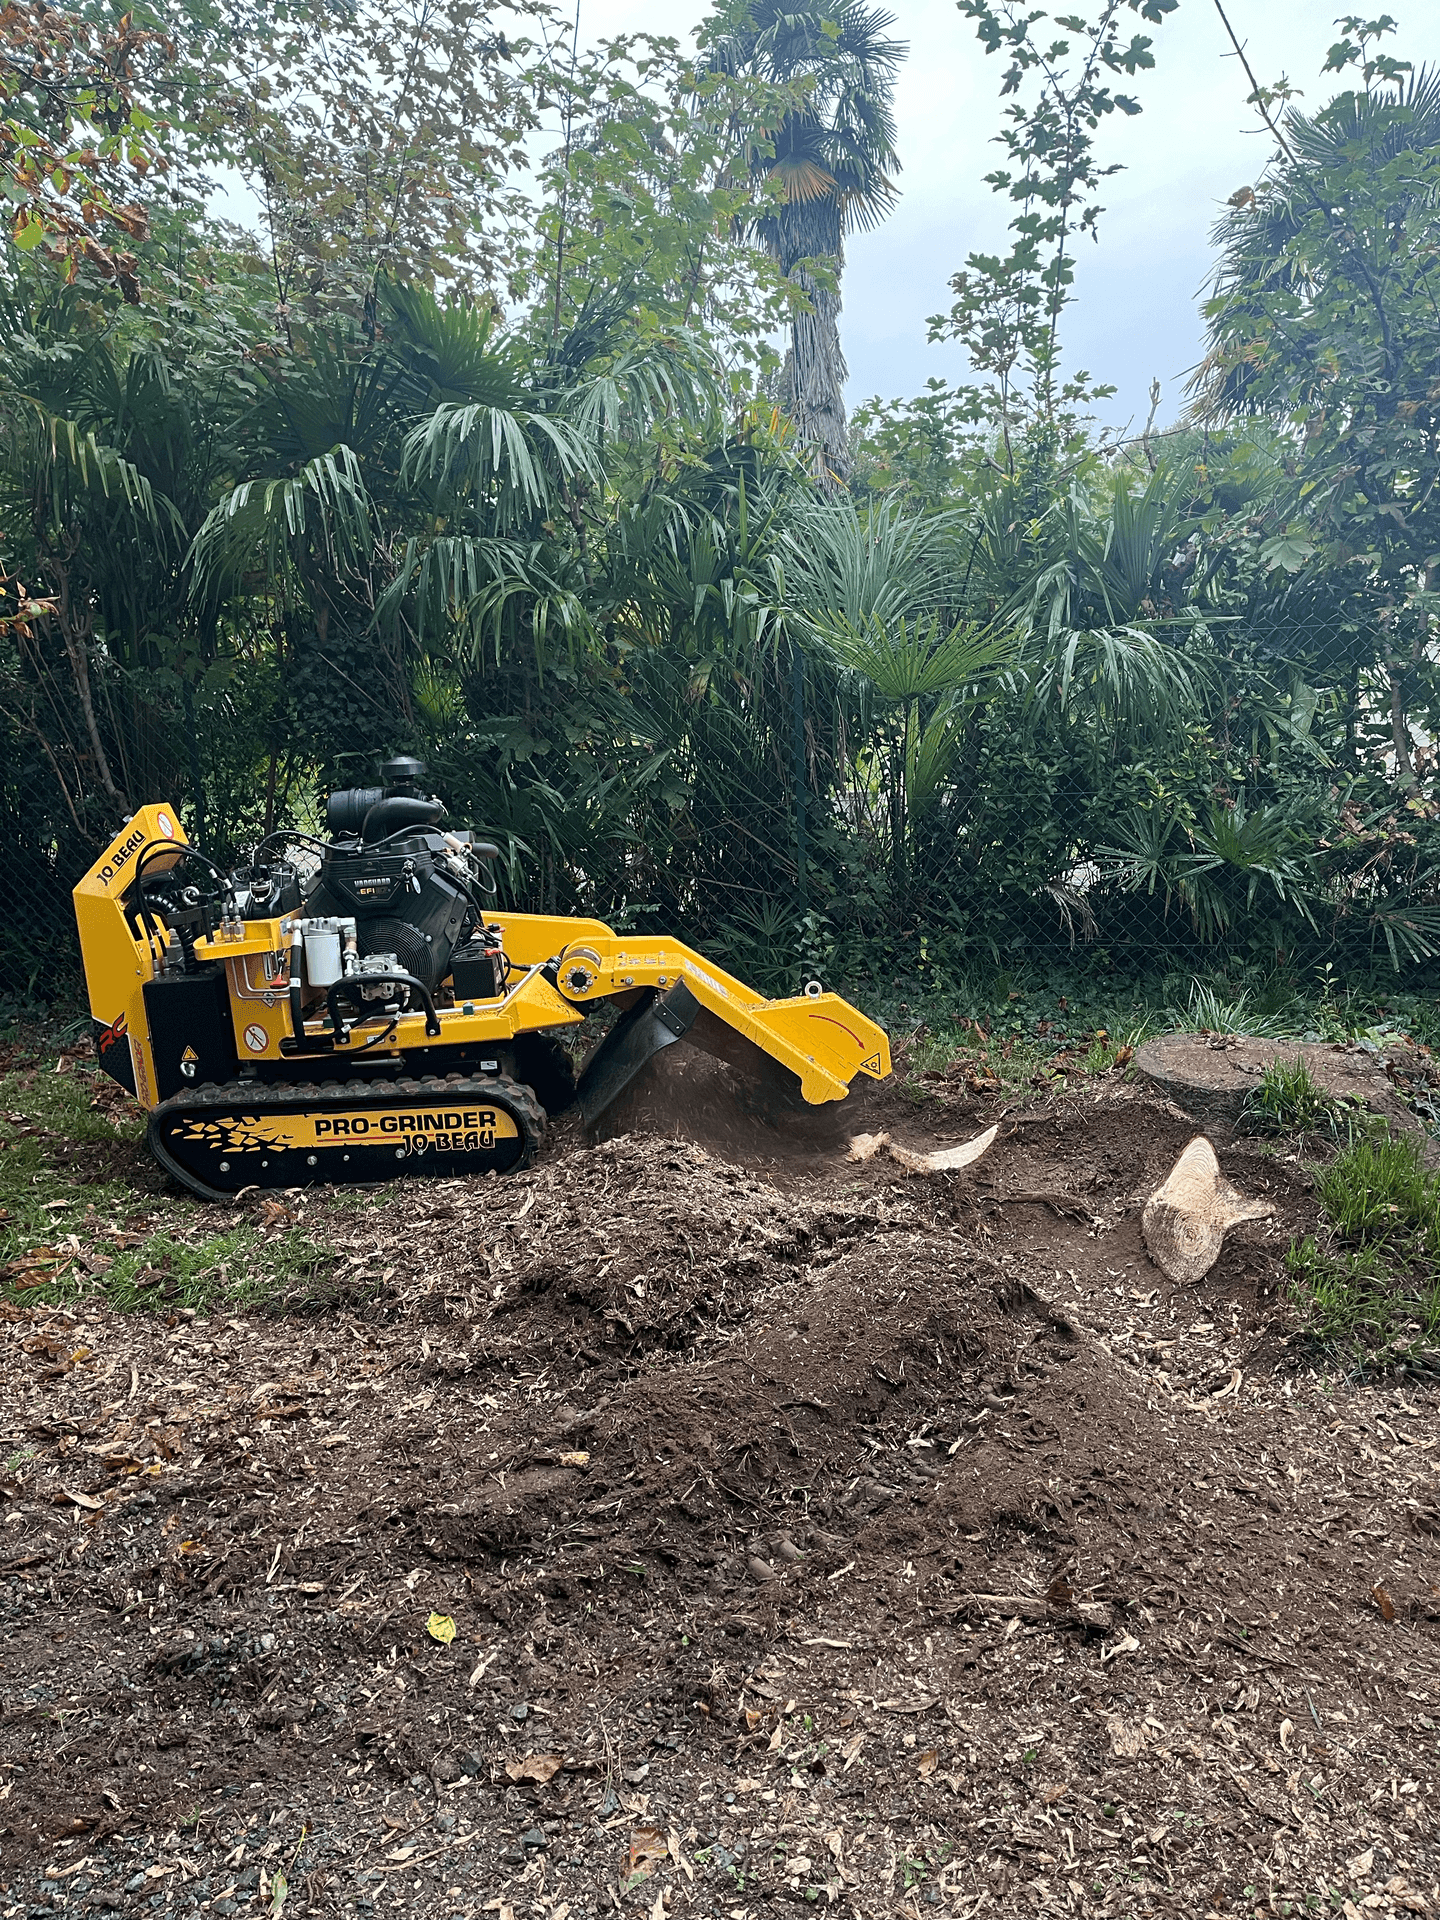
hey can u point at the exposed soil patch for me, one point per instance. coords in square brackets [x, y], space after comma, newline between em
[810, 1532]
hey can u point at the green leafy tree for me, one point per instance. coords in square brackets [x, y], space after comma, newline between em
[378, 140]
[79, 134]
[649, 197]
[1324, 318]
[1007, 308]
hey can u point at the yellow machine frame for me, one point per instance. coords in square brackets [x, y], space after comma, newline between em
[818, 1036]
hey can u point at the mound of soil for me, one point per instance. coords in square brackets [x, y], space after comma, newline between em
[678, 1535]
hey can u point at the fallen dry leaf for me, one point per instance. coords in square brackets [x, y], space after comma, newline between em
[540, 1767]
[648, 1846]
[928, 1762]
[672, 1840]
[1127, 1738]
[1128, 1645]
[1384, 1602]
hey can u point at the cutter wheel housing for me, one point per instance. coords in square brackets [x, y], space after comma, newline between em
[353, 1006]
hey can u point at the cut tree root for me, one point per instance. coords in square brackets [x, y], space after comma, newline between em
[949, 1159]
[1063, 1203]
[865, 1146]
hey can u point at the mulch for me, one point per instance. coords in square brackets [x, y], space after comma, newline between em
[724, 1529]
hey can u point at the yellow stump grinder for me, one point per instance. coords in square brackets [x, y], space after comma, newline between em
[347, 1008]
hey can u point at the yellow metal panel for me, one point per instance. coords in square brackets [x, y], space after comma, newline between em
[116, 959]
[532, 1003]
[534, 937]
[260, 936]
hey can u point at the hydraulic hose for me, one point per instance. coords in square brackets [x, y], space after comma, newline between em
[297, 958]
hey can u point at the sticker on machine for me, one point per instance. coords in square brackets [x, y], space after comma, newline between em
[256, 1038]
[444, 1129]
[165, 826]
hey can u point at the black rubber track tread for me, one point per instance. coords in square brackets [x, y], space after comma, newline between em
[257, 1095]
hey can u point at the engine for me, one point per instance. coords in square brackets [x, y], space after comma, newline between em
[409, 886]
[393, 909]
[396, 903]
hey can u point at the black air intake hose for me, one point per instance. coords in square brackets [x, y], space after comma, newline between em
[347, 807]
[399, 811]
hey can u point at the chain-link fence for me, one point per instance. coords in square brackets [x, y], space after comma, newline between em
[795, 831]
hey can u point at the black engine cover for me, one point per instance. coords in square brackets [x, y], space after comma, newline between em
[403, 901]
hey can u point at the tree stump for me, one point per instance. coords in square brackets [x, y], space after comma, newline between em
[1210, 1076]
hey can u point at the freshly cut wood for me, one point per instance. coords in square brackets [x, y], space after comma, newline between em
[949, 1159]
[865, 1146]
[1186, 1219]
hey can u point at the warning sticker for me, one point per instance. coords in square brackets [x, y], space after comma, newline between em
[872, 1065]
[256, 1038]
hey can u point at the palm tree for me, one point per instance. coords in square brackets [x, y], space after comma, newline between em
[832, 160]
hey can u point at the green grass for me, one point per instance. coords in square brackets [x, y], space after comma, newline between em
[82, 1213]
[1288, 1100]
[1370, 1285]
[1037, 997]
[1207, 1010]
[1379, 1192]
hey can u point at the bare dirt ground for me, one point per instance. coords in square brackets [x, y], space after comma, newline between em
[814, 1536]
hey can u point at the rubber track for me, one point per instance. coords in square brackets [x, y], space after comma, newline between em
[256, 1095]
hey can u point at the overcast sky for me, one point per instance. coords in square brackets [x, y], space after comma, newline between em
[1135, 315]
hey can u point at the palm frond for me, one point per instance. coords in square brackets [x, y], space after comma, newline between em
[473, 584]
[452, 347]
[908, 660]
[267, 524]
[479, 450]
[68, 456]
[878, 565]
[1121, 674]
[672, 379]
